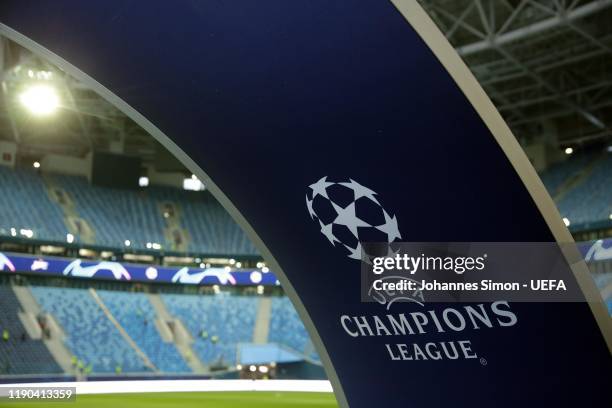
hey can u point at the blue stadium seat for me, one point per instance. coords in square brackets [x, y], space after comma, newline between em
[25, 204]
[90, 334]
[136, 315]
[17, 355]
[229, 318]
[591, 200]
[287, 328]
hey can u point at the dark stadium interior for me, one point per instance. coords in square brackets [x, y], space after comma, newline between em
[80, 180]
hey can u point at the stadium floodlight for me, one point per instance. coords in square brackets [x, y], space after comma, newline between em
[28, 233]
[238, 366]
[252, 368]
[143, 181]
[13, 231]
[238, 264]
[265, 269]
[566, 221]
[569, 150]
[41, 100]
[69, 238]
[127, 242]
[232, 261]
[36, 165]
[227, 269]
[260, 264]
[263, 369]
[193, 184]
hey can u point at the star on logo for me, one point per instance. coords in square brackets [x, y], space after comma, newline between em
[347, 217]
[361, 191]
[327, 231]
[354, 253]
[320, 187]
[309, 206]
[390, 227]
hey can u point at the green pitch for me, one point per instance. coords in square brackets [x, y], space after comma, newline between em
[190, 399]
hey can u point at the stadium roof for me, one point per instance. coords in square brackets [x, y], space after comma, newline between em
[547, 66]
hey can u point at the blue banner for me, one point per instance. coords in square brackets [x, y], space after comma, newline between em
[110, 270]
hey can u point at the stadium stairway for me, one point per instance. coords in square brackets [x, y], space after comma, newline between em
[55, 339]
[172, 330]
[18, 353]
[262, 321]
[175, 234]
[73, 221]
[147, 362]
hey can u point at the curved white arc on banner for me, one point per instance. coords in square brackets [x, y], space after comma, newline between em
[194, 168]
[465, 80]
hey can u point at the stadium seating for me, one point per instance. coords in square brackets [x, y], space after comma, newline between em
[559, 173]
[228, 319]
[20, 354]
[90, 335]
[117, 215]
[25, 204]
[136, 315]
[287, 328]
[591, 200]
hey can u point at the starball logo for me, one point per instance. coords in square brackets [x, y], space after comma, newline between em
[349, 214]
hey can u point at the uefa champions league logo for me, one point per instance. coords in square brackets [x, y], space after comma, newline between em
[348, 214]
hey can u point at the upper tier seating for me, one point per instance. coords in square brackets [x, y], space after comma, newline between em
[591, 200]
[20, 354]
[136, 315]
[90, 335]
[559, 173]
[227, 318]
[116, 215]
[25, 204]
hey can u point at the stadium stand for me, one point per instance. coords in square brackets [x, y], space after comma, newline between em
[18, 353]
[117, 215]
[216, 323]
[591, 200]
[286, 327]
[136, 315]
[559, 174]
[90, 335]
[25, 204]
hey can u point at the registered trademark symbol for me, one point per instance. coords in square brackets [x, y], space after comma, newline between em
[483, 361]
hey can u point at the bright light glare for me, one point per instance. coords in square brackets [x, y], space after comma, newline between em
[69, 238]
[36, 165]
[40, 99]
[566, 221]
[569, 150]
